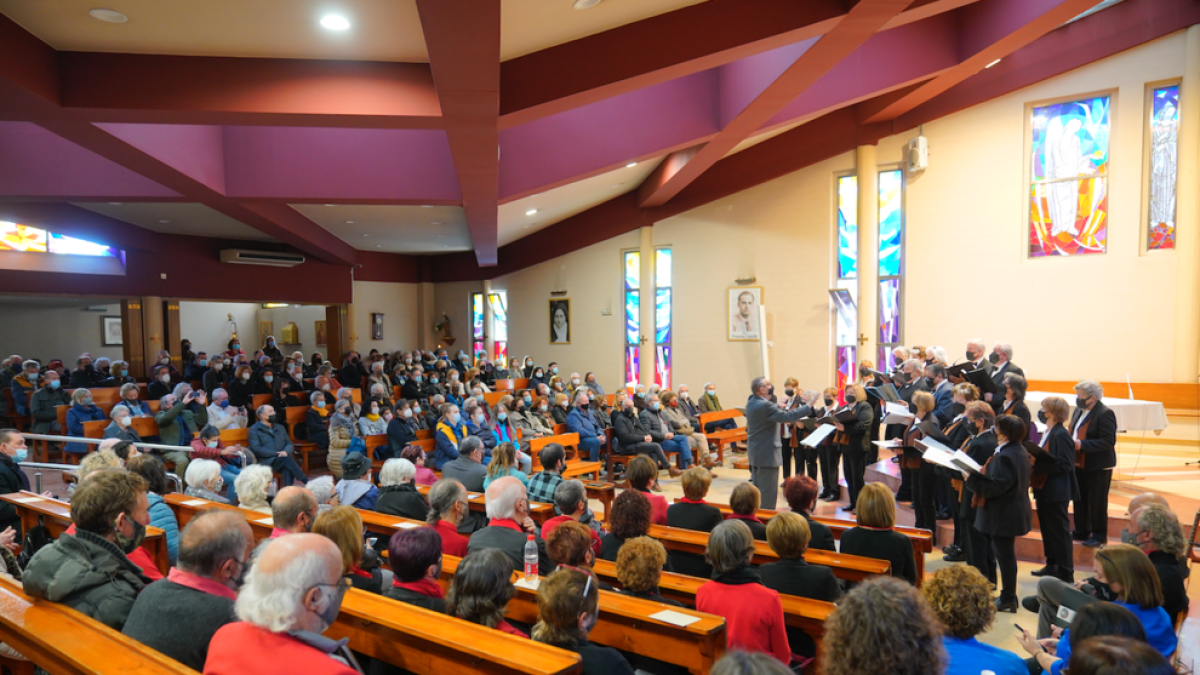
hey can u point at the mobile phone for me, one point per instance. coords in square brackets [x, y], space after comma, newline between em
[1018, 627]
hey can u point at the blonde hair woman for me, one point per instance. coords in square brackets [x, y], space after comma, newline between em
[876, 537]
[855, 437]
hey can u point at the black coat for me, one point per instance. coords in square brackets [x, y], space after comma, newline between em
[1099, 444]
[414, 598]
[857, 431]
[699, 517]
[887, 545]
[796, 577]
[629, 430]
[1005, 485]
[1020, 410]
[1060, 485]
[403, 501]
[12, 479]
[511, 543]
[156, 390]
[1170, 576]
[822, 536]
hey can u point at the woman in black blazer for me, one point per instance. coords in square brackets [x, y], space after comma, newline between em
[855, 441]
[976, 545]
[788, 535]
[955, 436]
[1002, 501]
[1014, 399]
[924, 478]
[1054, 487]
[801, 495]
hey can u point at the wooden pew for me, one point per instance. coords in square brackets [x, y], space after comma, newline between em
[491, 398]
[922, 540]
[56, 517]
[521, 383]
[849, 567]
[375, 441]
[722, 437]
[507, 385]
[64, 641]
[257, 401]
[570, 442]
[425, 434]
[295, 416]
[538, 511]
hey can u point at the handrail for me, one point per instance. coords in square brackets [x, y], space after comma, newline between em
[250, 459]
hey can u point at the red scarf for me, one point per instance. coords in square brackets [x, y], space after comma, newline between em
[751, 517]
[426, 587]
[685, 500]
[360, 572]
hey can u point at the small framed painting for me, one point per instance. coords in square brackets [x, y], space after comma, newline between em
[560, 322]
[742, 306]
[110, 331]
[376, 326]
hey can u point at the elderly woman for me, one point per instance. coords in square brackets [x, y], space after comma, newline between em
[317, 420]
[639, 568]
[344, 527]
[416, 455]
[753, 613]
[121, 427]
[82, 410]
[341, 432]
[252, 488]
[398, 495]
[856, 439]
[1094, 427]
[1053, 483]
[481, 590]
[801, 495]
[882, 627]
[680, 425]
[448, 506]
[204, 480]
[744, 502]
[347, 394]
[208, 445]
[373, 423]
[323, 491]
[524, 419]
[788, 535]
[630, 518]
[129, 398]
[1014, 398]
[962, 601]
[876, 536]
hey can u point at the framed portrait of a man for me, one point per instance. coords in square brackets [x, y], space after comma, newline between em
[743, 305]
[560, 322]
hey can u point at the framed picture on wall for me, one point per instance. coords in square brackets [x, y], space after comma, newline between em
[742, 308]
[110, 331]
[376, 326]
[560, 322]
[319, 327]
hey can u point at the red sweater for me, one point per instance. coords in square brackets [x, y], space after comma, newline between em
[554, 522]
[242, 648]
[453, 543]
[753, 617]
[658, 508]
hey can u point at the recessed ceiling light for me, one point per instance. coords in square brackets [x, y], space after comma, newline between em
[108, 15]
[378, 245]
[992, 64]
[585, 4]
[427, 206]
[365, 234]
[630, 165]
[435, 223]
[349, 222]
[531, 212]
[115, 203]
[331, 205]
[335, 22]
[164, 222]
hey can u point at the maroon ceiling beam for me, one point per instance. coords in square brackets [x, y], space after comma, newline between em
[679, 170]
[463, 41]
[991, 30]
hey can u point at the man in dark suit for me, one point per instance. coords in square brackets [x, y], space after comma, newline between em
[763, 447]
[510, 525]
[975, 357]
[943, 392]
[1001, 361]
[1094, 430]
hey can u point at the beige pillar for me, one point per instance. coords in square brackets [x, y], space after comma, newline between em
[153, 333]
[868, 253]
[351, 336]
[1187, 218]
[646, 303]
[488, 321]
[425, 313]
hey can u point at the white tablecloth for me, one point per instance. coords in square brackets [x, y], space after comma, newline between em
[1132, 415]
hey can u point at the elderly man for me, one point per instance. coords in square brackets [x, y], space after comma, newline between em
[323, 491]
[224, 416]
[43, 404]
[270, 444]
[1002, 365]
[1094, 429]
[24, 385]
[292, 595]
[88, 570]
[763, 447]
[178, 422]
[1155, 529]
[214, 555]
[160, 384]
[293, 511]
[509, 525]
[975, 357]
[85, 374]
[580, 421]
[571, 502]
[12, 479]
[468, 467]
[661, 432]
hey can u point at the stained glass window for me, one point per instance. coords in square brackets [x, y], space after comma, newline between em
[64, 245]
[847, 227]
[845, 297]
[662, 315]
[1164, 150]
[845, 368]
[891, 263]
[499, 303]
[1068, 207]
[14, 237]
[476, 322]
[633, 317]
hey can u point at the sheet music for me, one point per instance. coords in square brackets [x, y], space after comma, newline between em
[894, 443]
[819, 434]
[964, 458]
[897, 413]
[941, 458]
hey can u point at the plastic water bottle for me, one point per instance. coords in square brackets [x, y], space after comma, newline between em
[531, 560]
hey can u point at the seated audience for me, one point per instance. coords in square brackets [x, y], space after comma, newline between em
[961, 599]
[523, 417]
[448, 506]
[504, 463]
[344, 527]
[633, 438]
[401, 430]
[801, 495]
[204, 480]
[12, 479]
[292, 595]
[629, 518]
[508, 525]
[542, 485]
[416, 559]
[216, 377]
[570, 499]
[450, 434]
[85, 375]
[293, 512]
[160, 383]
[241, 391]
[882, 627]
[876, 537]
[788, 535]
[88, 570]
[341, 432]
[1156, 531]
[121, 427]
[736, 662]
[24, 385]
[568, 608]
[43, 405]
[1107, 656]
[372, 423]
[639, 569]
[398, 495]
[316, 420]
[643, 477]
[222, 414]
[323, 490]
[208, 445]
[178, 422]
[161, 516]
[744, 501]
[251, 487]
[82, 410]
[710, 403]
[580, 421]
[1092, 621]
[683, 428]
[214, 556]
[660, 431]
[481, 589]
[355, 488]
[753, 613]
[692, 512]
[467, 466]
[271, 446]
[570, 545]
[416, 455]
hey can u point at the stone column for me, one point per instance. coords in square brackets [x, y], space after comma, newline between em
[489, 340]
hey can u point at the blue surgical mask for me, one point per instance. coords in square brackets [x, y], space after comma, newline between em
[479, 419]
[479, 397]
[433, 380]
[528, 400]
[654, 406]
[641, 394]
[203, 362]
[224, 404]
[455, 418]
[55, 384]
[86, 401]
[554, 370]
[502, 416]
[22, 455]
[320, 404]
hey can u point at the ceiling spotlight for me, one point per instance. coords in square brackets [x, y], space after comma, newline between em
[365, 234]
[992, 64]
[115, 203]
[335, 22]
[378, 245]
[585, 4]
[630, 165]
[531, 212]
[331, 205]
[164, 222]
[435, 223]
[108, 15]
[349, 222]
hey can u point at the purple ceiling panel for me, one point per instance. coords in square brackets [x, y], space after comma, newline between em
[742, 81]
[196, 151]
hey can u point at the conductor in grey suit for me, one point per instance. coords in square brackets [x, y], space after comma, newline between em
[763, 448]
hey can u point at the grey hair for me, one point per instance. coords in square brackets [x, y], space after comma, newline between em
[312, 398]
[1164, 529]
[1090, 388]
[118, 409]
[127, 387]
[162, 402]
[755, 384]
[1017, 383]
[261, 409]
[218, 391]
[568, 495]
[903, 352]
[344, 393]
[31, 364]
[201, 471]
[919, 366]
[181, 390]
[730, 546]
[468, 445]
[377, 388]
[274, 600]
[251, 485]
[322, 488]
[443, 496]
[203, 558]
[502, 496]
[1005, 348]
[102, 359]
[976, 342]
[396, 471]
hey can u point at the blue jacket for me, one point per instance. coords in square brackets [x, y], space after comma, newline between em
[266, 442]
[446, 449]
[162, 517]
[1160, 633]
[582, 423]
[76, 416]
[483, 433]
[21, 390]
[943, 404]
[970, 657]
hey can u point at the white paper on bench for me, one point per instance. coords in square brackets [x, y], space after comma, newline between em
[26, 500]
[521, 583]
[266, 521]
[675, 618]
[407, 526]
[195, 502]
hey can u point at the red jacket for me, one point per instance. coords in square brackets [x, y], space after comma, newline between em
[753, 616]
[658, 508]
[453, 543]
[242, 648]
[554, 522]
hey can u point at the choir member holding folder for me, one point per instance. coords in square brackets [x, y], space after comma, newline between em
[1014, 399]
[1002, 503]
[854, 439]
[977, 546]
[924, 479]
[1094, 429]
[957, 433]
[1054, 485]
[829, 454]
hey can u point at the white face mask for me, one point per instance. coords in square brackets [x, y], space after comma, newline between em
[123, 421]
[245, 377]
[408, 412]
[165, 379]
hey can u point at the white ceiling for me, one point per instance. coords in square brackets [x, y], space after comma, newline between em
[532, 25]
[565, 201]
[394, 229]
[195, 220]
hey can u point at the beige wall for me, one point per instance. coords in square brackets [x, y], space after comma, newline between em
[54, 331]
[305, 317]
[397, 303]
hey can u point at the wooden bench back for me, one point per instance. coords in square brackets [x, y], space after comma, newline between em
[491, 398]
[538, 511]
[424, 434]
[235, 437]
[296, 415]
[145, 426]
[259, 400]
[374, 441]
[560, 429]
[520, 383]
[95, 428]
[719, 415]
[507, 385]
[568, 441]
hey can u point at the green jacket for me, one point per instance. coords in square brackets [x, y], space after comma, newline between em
[169, 422]
[42, 405]
[88, 573]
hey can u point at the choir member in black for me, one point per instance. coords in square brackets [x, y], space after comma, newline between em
[867, 379]
[977, 546]
[908, 381]
[1094, 429]
[854, 440]
[922, 475]
[829, 453]
[1054, 485]
[975, 357]
[791, 434]
[1014, 399]
[1002, 496]
[956, 434]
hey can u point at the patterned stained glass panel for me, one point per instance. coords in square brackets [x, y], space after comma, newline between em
[846, 308]
[1164, 150]
[891, 221]
[662, 268]
[848, 227]
[476, 347]
[887, 360]
[889, 311]
[845, 369]
[501, 351]
[1068, 208]
[499, 302]
[632, 270]
[64, 245]
[477, 316]
[662, 316]
[632, 317]
[632, 365]
[14, 237]
[662, 367]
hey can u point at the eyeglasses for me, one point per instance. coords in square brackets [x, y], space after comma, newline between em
[587, 586]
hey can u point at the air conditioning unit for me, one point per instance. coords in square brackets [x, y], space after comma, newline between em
[918, 154]
[239, 256]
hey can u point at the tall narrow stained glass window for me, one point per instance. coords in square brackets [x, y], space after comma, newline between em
[891, 264]
[499, 302]
[846, 335]
[631, 283]
[1164, 152]
[1068, 198]
[476, 324]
